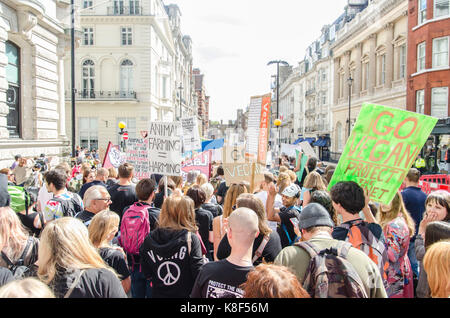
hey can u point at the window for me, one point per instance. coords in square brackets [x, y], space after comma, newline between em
[422, 11]
[88, 132]
[440, 52]
[441, 8]
[420, 102]
[130, 127]
[402, 73]
[421, 57]
[383, 69]
[134, 7]
[87, 4]
[88, 74]
[119, 7]
[127, 36]
[126, 78]
[341, 85]
[164, 87]
[12, 70]
[439, 102]
[88, 38]
[365, 71]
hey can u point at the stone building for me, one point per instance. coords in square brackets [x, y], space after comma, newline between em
[202, 101]
[33, 43]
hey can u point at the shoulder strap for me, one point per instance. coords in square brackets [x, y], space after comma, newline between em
[20, 260]
[7, 260]
[308, 247]
[287, 233]
[74, 284]
[260, 249]
[25, 250]
[343, 248]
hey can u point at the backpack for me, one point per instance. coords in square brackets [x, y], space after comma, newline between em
[19, 269]
[360, 236]
[134, 228]
[70, 207]
[330, 274]
[20, 198]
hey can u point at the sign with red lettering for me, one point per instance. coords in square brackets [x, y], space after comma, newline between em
[200, 162]
[382, 147]
[258, 127]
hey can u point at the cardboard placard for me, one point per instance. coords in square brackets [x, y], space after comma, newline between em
[200, 162]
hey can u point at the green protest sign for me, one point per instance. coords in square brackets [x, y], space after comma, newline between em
[302, 164]
[381, 149]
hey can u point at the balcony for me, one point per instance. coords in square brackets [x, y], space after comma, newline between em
[121, 10]
[102, 95]
[310, 92]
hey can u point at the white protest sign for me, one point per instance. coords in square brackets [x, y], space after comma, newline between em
[289, 150]
[164, 143]
[191, 136]
[308, 150]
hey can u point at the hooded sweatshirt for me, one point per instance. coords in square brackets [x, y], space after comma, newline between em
[166, 261]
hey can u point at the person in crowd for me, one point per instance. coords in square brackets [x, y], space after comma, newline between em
[100, 179]
[221, 279]
[437, 208]
[112, 177]
[6, 276]
[316, 227]
[313, 182]
[174, 239]
[328, 174]
[63, 203]
[437, 265]
[447, 160]
[77, 180]
[23, 171]
[5, 198]
[102, 230]
[123, 193]
[420, 164]
[178, 181]
[201, 179]
[273, 281]
[283, 182]
[15, 241]
[292, 175]
[266, 245]
[43, 161]
[398, 227]
[287, 216]
[35, 181]
[10, 176]
[218, 222]
[43, 196]
[145, 191]
[262, 194]
[220, 185]
[29, 287]
[96, 199]
[210, 202]
[348, 201]
[323, 198]
[190, 180]
[32, 221]
[88, 177]
[72, 266]
[160, 194]
[16, 161]
[203, 218]
[414, 199]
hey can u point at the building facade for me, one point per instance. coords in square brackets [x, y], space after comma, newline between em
[129, 67]
[33, 43]
[202, 100]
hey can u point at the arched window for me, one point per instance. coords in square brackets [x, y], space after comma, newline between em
[126, 78]
[12, 70]
[88, 79]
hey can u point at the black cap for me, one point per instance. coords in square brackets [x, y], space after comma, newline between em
[4, 195]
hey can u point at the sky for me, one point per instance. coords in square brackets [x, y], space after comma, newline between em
[234, 40]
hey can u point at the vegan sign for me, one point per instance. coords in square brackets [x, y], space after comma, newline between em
[381, 149]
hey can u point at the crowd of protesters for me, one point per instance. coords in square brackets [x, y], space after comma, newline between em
[82, 231]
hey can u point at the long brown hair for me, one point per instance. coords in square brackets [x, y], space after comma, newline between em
[177, 213]
[314, 181]
[235, 190]
[397, 209]
[248, 200]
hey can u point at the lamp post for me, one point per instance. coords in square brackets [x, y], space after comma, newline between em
[350, 83]
[122, 126]
[278, 99]
[180, 88]
[72, 65]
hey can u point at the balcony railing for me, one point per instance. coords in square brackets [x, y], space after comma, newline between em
[310, 92]
[102, 95]
[121, 10]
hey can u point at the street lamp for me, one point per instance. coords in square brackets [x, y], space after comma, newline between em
[180, 88]
[72, 65]
[278, 90]
[122, 126]
[350, 83]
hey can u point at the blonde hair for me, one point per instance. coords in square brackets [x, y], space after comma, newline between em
[102, 225]
[283, 169]
[201, 179]
[314, 181]
[113, 173]
[283, 181]
[13, 235]
[26, 288]
[397, 209]
[235, 190]
[65, 244]
[437, 266]
[209, 190]
[248, 200]
[178, 213]
[292, 175]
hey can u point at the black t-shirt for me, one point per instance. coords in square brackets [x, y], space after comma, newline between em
[28, 222]
[286, 227]
[86, 186]
[93, 283]
[215, 209]
[222, 191]
[121, 197]
[220, 279]
[115, 259]
[270, 252]
[6, 276]
[204, 220]
[85, 217]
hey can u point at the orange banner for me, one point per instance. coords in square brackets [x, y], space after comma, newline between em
[264, 129]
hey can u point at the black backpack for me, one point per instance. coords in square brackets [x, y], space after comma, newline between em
[19, 269]
[70, 207]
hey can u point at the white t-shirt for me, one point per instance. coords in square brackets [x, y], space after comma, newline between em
[262, 195]
[43, 197]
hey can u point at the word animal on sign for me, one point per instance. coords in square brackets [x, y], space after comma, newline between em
[163, 130]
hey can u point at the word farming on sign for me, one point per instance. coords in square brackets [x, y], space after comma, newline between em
[137, 155]
[164, 148]
[381, 149]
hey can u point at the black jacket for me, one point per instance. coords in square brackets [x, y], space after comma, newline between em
[166, 261]
[215, 209]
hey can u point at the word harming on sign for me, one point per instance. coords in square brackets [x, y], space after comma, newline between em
[381, 149]
[164, 149]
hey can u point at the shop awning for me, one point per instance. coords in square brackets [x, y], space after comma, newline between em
[299, 140]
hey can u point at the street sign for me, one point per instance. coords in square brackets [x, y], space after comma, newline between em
[125, 136]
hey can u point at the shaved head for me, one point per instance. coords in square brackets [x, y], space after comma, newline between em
[244, 223]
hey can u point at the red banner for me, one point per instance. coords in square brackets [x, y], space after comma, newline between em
[200, 162]
[113, 157]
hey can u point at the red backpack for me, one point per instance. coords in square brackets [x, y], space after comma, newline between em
[134, 228]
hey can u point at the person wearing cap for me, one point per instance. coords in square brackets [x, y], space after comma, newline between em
[288, 215]
[316, 227]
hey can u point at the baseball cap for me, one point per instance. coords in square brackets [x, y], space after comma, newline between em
[291, 191]
[314, 215]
